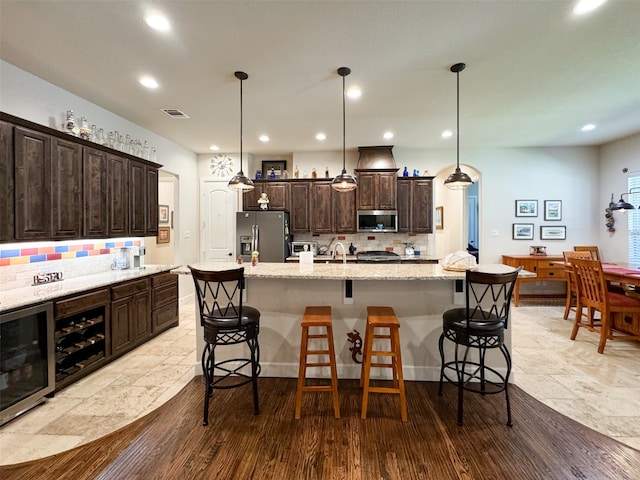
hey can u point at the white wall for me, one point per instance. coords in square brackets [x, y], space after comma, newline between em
[615, 156]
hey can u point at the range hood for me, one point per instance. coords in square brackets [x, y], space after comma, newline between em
[378, 158]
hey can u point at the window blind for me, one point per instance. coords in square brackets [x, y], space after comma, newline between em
[634, 219]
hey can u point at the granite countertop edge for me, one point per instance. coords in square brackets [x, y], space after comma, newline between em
[348, 271]
[22, 297]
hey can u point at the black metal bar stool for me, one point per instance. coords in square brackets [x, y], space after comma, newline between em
[479, 326]
[226, 321]
[320, 317]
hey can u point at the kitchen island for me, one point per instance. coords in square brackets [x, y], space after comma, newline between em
[418, 293]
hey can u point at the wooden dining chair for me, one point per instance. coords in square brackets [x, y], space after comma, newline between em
[572, 289]
[593, 293]
[592, 249]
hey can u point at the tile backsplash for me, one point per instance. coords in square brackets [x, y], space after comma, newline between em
[376, 241]
[19, 262]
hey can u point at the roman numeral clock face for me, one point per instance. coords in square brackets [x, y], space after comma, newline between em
[221, 165]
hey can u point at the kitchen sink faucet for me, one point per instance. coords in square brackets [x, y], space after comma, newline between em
[344, 252]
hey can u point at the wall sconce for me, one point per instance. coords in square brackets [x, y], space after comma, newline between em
[621, 204]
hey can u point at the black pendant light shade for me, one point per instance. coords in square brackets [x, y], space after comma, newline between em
[621, 204]
[458, 180]
[344, 182]
[240, 181]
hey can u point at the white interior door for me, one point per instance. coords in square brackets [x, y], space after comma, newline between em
[218, 204]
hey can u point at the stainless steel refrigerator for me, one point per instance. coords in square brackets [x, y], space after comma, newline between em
[265, 232]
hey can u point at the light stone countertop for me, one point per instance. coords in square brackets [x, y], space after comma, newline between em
[354, 258]
[349, 271]
[22, 297]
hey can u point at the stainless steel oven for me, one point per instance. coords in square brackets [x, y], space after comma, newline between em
[27, 359]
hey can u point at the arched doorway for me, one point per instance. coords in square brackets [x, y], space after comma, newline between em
[461, 213]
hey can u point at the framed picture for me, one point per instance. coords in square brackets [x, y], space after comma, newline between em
[163, 213]
[548, 232]
[278, 166]
[523, 231]
[164, 235]
[439, 218]
[552, 210]
[526, 208]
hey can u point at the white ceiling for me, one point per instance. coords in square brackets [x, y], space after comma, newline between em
[535, 73]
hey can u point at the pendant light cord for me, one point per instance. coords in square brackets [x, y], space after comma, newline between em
[344, 129]
[241, 125]
[458, 120]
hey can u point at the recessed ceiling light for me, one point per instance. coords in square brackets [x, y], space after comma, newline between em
[586, 6]
[321, 136]
[588, 127]
[215, 148]
[158, 22]
[263, 138]
[387, 135]
[354, 92]
[446, 134]
[149, 82]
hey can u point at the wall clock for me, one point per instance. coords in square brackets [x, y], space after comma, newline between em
[221, 165]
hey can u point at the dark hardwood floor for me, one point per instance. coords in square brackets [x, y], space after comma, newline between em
[171, 443]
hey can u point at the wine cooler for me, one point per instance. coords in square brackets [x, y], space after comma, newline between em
[27, 362]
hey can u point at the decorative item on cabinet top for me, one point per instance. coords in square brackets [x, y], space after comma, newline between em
[273, 169]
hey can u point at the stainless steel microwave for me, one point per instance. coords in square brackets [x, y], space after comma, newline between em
[377, 220]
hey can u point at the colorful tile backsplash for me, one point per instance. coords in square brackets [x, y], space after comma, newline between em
[10, 255]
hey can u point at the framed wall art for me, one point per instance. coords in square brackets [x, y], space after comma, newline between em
[552, 210]
[439, 218]
[164, 235]
[523, 231]
[278, 166]
[548, 232]
[163, 213]
[526, 208]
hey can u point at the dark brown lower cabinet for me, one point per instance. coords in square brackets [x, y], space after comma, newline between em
[81, 335]
[130, 315]
[164, 302]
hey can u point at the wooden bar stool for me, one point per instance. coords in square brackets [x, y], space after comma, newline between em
[317, 317]
[382, 317]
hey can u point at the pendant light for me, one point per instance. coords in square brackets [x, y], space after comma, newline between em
[344, 182]
[458, 180]
[240, 181]
[623, 206]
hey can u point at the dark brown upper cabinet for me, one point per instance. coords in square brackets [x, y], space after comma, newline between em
[377, 190]
[32, 184]
[300, 211]
[94, 179]
[6, 183]
[415, 204]
[66, 189]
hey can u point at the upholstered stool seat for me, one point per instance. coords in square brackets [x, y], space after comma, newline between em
[320, 317]
[382, 318]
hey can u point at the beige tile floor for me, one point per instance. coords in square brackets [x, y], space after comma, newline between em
[600, 391]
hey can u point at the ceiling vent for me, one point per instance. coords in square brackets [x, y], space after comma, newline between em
[174, 113]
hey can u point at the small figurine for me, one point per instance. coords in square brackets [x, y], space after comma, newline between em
[272, 174]
[354, 337]
[263, 201]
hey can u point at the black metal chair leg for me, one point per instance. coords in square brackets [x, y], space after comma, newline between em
[441, 348]
[507, 357]
[207, 371]
[253, 347]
